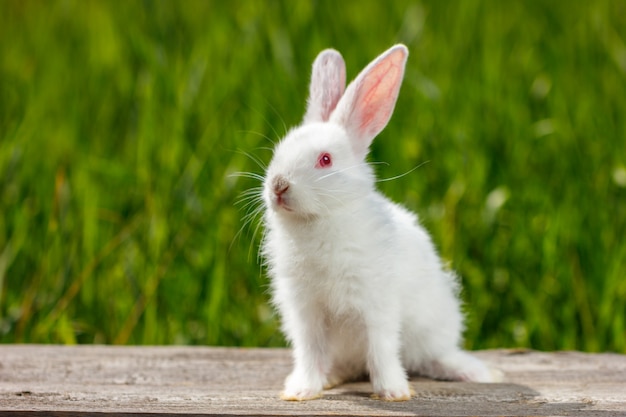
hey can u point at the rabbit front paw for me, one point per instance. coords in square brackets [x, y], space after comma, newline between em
[299, 388]
[300, 394]
[398, 394]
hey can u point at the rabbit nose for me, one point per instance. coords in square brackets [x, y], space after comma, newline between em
[280, 185]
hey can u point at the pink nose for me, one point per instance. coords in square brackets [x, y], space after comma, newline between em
[280, 185]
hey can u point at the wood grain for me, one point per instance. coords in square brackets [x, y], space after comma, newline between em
[88, 380]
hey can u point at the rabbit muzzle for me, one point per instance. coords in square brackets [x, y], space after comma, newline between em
[280, 186]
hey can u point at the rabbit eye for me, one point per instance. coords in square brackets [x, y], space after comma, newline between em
[324, 161]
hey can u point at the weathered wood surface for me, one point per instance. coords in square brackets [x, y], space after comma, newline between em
[83, 380]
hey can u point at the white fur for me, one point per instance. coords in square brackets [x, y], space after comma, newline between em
[356, 279]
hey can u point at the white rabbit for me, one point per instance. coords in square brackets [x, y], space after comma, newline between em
[356, 279]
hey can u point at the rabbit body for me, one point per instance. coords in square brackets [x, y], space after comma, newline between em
[357, 281]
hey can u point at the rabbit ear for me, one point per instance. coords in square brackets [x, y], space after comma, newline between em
[368, 103]
[328, 82]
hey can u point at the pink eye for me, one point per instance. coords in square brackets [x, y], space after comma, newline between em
[324, 161]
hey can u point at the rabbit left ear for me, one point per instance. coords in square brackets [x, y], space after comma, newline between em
[368, 103]
[328, 81]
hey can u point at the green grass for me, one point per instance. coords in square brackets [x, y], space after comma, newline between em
[122, 122]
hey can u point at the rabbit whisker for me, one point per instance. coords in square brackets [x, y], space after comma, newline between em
[378, 163]
[251, 201]
[405, 174]
[268, 122]
[277, 113]
[250, 194]
[330, 174]
[254, 158]
[250, 175]
[262, 135]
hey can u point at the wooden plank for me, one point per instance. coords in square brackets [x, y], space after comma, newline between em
[82, 380]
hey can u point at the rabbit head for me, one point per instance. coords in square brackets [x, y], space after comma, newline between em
[320, 166]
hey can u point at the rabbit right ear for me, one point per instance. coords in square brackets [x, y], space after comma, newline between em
[328, 82]
[368, 103]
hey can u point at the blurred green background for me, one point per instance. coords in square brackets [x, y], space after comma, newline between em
[122, 122]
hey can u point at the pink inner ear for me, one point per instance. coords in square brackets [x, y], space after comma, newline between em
[377, 95]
